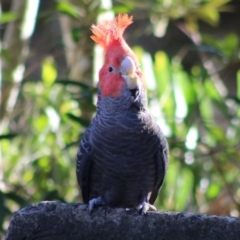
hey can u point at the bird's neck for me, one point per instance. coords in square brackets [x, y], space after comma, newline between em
[128, 100]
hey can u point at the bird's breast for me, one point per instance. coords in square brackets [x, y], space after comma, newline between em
[123, 144]
[123, 158]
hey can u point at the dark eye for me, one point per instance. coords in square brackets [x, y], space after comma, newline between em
[110, 69]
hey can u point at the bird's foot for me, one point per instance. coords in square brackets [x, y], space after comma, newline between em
[143, 208]
[95, 202]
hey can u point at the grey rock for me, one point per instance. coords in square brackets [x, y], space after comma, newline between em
[60, 221]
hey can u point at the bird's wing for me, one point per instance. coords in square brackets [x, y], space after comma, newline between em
[83, 165]
[161, 166]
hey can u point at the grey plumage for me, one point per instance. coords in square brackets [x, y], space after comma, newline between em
[123, 156]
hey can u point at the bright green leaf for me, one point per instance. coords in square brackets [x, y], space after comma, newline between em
[43, 162]
[213, 190]
[40, 123]
[211, 89]
[8, 17]
[217, 133]
[28, 176]
[49, 72]
[162, 71]
[68, 8]
[185, 182]
[208, 14]
[216, 3]
[230, 44]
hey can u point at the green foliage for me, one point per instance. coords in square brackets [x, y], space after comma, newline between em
[8, 17]
[189, 103]
[68, 8]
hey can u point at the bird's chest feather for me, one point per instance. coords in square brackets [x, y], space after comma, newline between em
[123, 150]
[124, 138]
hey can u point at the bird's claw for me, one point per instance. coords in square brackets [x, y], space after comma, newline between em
[146, 207]
[95, 202]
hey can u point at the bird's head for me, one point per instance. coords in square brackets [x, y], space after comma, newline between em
[121, 68]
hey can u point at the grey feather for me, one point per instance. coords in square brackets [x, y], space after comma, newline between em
[123, 156]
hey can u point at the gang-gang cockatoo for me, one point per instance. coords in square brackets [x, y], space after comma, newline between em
[123, 156]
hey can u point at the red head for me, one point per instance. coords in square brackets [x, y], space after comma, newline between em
[121, 66]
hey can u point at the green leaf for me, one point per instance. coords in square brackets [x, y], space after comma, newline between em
[230, 45]
[27, 176]
[208, 14]
[16, 198]
[162, 71]
[8, 17]
[78, 119]
[8, 136]
[68, 9]
[123, 8]
[238, 84]
[184, 187]
[211, 89]
[52, 195]
[70, 82]
[216, 3]
[217, 133]
[49, 72]
[213, 190]
[40, 123]
[76, 34]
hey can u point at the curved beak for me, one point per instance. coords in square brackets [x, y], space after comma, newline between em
[128, 72]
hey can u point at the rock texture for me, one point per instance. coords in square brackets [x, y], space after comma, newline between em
[60, 221]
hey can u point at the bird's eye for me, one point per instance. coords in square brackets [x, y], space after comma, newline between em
[110, 69]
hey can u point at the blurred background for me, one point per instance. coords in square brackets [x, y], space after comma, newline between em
[189, 51]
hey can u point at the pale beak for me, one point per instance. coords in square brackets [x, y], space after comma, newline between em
[128, 72]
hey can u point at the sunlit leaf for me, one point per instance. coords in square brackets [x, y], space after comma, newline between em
[187, 87]
[205, 104]
[218, 133]
[208, 14]
[171, 183]
[40, 123]
[230, 45]
[216, 3]
[68, 9]
[49, 72]
[27, 176]
[213, 190]
[123, 8]
[8, 17]
[43, 162]
[211, 89]
[66, 106]
[185, 183]
[162, 71]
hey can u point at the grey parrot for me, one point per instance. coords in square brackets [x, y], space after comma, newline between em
[122, 158]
